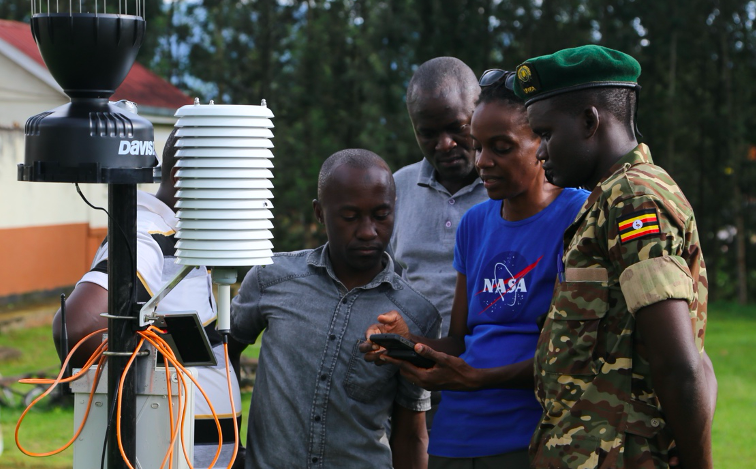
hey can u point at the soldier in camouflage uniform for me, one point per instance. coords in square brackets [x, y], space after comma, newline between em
[620, 372]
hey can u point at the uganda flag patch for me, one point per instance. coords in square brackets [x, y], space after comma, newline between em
[638, 224]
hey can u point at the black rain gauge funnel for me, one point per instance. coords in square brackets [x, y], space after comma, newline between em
[89, 52]
[89, 139]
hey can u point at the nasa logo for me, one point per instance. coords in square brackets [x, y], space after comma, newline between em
[506, 284]
[492, 285]
[136, 147]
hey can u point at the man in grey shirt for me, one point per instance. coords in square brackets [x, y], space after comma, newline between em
[316, 402]
[433, 194]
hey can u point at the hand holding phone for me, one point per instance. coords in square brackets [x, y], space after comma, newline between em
[402, 349]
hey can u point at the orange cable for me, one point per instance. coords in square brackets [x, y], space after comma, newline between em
[161, 345]
[150, 332]
[183, 419]
[169, 453]
[168, 355]
[120, 396]
[82, 371]
[78, 431]
[182, 405]
[55, 382]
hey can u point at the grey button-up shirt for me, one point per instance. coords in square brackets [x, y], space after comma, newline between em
[425, 225]
[316, 402]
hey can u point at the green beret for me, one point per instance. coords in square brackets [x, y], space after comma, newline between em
[575, 69]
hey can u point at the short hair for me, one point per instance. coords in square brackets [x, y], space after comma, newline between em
[354, 157]
[169, 156]
[444, 75]
[619, 102]
[499, 92]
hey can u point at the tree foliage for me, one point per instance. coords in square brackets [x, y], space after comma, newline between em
[334, 72]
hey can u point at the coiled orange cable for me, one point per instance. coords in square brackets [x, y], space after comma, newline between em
[53, 383]
[168, 357]
[162, 346]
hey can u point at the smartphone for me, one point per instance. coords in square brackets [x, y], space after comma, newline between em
[402, 349]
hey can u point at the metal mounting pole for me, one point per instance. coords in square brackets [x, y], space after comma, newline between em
[121, 302]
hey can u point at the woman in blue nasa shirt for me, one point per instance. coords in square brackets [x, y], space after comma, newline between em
[506, 260]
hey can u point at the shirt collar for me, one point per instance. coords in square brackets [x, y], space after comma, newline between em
[156, 206]
[319, 258]
[640, 154]
[427, 178]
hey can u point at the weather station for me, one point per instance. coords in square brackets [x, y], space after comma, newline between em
[141, 416]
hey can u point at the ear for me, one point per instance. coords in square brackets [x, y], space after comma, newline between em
[318, 209]
[591, 121]
[173, 177]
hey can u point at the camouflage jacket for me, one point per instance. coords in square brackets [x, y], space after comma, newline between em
[634, 243]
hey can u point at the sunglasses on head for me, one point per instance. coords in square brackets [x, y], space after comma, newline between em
[496, 76]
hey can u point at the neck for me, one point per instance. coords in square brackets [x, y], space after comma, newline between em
[617, 145]
[453, 186]
[353, 279]
[531, 202]
[167, 196]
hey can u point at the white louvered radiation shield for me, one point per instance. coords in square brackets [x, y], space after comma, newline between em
[224, 181]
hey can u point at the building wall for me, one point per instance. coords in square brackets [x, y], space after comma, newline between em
[48, 235]
[23, 95]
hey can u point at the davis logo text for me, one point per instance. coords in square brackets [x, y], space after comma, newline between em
[136, 147]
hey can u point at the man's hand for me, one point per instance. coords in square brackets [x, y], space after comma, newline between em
[680, 379]
[388, 323]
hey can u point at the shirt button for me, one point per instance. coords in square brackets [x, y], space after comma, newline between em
[655, 422]
[314, 459]
[344, 300]
[332, 337]
[317, 418]
[451, 201]
[448, 224]
[323, 377]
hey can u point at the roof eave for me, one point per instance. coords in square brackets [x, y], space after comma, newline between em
[30, 65]
[158, 115]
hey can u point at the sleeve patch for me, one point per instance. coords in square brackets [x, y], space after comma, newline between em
[638, 224]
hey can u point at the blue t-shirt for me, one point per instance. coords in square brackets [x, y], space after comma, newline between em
[511, 268]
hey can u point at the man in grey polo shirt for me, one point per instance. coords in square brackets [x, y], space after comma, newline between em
[433, 194]
[317, 403]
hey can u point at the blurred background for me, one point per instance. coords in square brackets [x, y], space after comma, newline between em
[335, 72]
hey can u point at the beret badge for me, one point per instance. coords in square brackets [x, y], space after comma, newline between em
[525, 75]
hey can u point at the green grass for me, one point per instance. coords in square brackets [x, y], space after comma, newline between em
[731, 345]
[40, 431]
[38, 351]
[730, 342]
